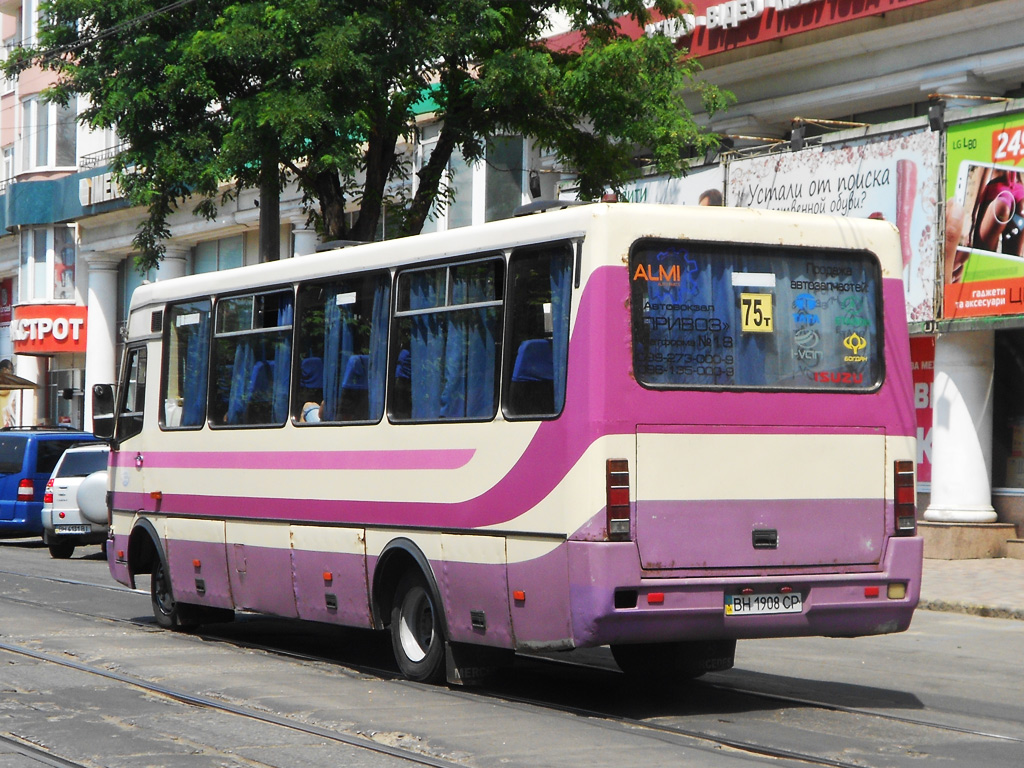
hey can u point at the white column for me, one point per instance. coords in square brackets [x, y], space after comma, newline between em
[101, 344]
[173, 263]
[962, 429]
[304, 241]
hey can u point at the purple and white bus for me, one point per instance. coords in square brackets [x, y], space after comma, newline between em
[657, 428]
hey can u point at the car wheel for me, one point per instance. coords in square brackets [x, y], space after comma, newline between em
[61, 550]
[417, 634]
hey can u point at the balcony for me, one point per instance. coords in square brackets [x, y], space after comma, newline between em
[103, 157]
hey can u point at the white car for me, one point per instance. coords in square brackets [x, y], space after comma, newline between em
[74, 505]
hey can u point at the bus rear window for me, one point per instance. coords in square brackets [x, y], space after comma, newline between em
[755, 317]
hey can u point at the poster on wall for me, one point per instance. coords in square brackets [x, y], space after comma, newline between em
[983, 270]
[922, 364]
[895, 178]
[700, 186]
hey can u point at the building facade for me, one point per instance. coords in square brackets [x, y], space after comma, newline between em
[908, 110]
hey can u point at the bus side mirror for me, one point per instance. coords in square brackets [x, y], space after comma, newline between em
[103, 411]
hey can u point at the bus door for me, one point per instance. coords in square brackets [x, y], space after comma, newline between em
[127, 456]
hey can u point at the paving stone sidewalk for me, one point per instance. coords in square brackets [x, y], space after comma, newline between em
[987, 587]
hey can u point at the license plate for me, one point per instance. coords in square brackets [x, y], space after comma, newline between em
[72, 528]
[762, 605]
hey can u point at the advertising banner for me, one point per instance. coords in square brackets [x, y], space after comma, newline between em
[922, 356]
[983, 270]
[892, 178]
[700, 186]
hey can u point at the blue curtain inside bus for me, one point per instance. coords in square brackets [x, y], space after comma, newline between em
[453, 353]
[261, 363]
[196, 340]
[355, 349]
[561, 289]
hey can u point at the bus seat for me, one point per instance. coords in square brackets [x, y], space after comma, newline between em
[311, 373]
[260, 395]
[532, 389]
[355, 403]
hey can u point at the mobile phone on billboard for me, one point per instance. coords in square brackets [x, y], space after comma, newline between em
[984, 186]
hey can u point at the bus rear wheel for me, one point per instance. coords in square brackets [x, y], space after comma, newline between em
[417, 634]
[684, 660]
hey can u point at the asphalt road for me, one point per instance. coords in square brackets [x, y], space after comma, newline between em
[87, 679]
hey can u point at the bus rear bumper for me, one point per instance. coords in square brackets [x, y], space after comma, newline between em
[614, 602]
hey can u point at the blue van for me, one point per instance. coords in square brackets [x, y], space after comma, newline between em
[27, 458]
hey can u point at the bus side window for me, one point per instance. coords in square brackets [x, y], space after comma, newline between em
[186, 365]
[252, 360]
[535, 365]
[133, 395]
[341, 348]
[447, 342]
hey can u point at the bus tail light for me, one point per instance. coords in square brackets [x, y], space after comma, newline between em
[617, 496]
[48, 493]
[26, 491]
[906, 518]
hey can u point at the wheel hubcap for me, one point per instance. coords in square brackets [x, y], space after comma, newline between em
[416, 631]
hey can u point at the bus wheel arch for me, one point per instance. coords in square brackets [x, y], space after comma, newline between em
[143, 549]
[406, 601]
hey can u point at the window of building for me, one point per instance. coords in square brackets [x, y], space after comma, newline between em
[48, 134]
[215, 255]
[504, 177]
[128, 279]
[48, 256]
[7, 84]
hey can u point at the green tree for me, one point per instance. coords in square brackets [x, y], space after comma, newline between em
[321, 92]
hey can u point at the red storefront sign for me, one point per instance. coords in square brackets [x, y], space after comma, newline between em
[715, 26]
[48, 329]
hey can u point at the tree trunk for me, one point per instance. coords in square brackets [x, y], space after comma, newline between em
[430, 180]
[332, 206]
[270, 208]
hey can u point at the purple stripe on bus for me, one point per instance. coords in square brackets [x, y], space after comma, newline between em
[596, 406]
[292, 460]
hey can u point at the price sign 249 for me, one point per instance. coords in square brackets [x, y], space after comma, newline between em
[1008, 144]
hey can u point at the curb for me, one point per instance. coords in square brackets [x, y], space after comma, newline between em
[987, 611]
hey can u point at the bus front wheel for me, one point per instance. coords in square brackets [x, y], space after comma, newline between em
[169, 613]
[417, 634]
[684, 660]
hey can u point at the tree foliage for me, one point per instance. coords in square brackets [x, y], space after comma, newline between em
[321, 92]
